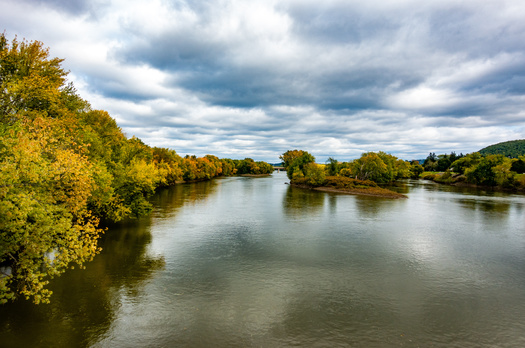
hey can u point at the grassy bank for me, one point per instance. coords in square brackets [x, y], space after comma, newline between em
[340, 184]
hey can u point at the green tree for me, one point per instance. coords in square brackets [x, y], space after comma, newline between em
[443, 163]
[136, 183]
[512, 149]
[430, 162]
[228, 167]
[295, 162]
[332, 166]
[483, 173]
[470, 160]
[504, 176]
[416, 170]
[315, 174]
[245, 166]
[518, 165]
[264, 167]
[391, 165]
[370, 166]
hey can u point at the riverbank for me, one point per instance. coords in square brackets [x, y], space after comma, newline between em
[254, 175]
[377, 192]
[446, 178]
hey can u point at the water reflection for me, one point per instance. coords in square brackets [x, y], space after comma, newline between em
[490, 206]
[300, 202]
[373, 207]
[247, 262]
[168, 200]
[84, 302]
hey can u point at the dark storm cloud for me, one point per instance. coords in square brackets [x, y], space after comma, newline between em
[74, 7]
[180, 50]
[506, 77]
[203, 67]
[476, 31]
[338, 23]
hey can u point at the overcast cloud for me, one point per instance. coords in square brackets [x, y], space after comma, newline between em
[256, 78]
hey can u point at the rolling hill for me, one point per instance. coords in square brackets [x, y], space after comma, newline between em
[513, 149]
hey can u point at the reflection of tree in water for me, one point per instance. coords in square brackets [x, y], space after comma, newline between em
[332, 203]
[372, 207]
[125, 255]
[300, 202]
[486, 206]
[83, 301]
[401, 186]
[168, 200]
[493, 212]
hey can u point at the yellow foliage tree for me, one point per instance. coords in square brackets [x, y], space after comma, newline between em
[44, 222]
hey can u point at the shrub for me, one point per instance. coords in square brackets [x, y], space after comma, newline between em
[428, 175]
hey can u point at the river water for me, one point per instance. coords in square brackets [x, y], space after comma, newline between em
[252, 262]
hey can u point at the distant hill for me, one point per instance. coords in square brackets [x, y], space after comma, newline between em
[513, 148]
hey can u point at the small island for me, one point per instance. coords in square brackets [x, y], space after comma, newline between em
[369, 170]
[350, 186]
[500, 167]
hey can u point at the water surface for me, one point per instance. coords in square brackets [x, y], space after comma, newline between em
[252, 262]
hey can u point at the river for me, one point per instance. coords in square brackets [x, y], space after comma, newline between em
[252, 262]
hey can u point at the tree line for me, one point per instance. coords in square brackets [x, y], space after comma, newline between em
[378, 167]
[383, 168]
[493, 170]
[64, 167]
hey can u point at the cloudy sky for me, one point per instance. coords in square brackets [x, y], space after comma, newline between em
[256, 78]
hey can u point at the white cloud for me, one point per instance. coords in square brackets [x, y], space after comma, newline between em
[423, 97]
[257, 78]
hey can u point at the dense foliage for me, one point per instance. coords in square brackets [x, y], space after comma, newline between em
[440, 163]
[383, 168]
[65, 166]
[380, 167]
[477, 169]
[359, 176]
[512, 149]
[296, 163]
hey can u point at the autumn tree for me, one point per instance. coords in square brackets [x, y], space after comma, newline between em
[369, 167]
[315, 174]
[391, 172]
[228, 167]
[264, 167]
[170, 163]
[64, 166]
[30, 81]
[45, 224]
[402, 169]
[416, 169]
